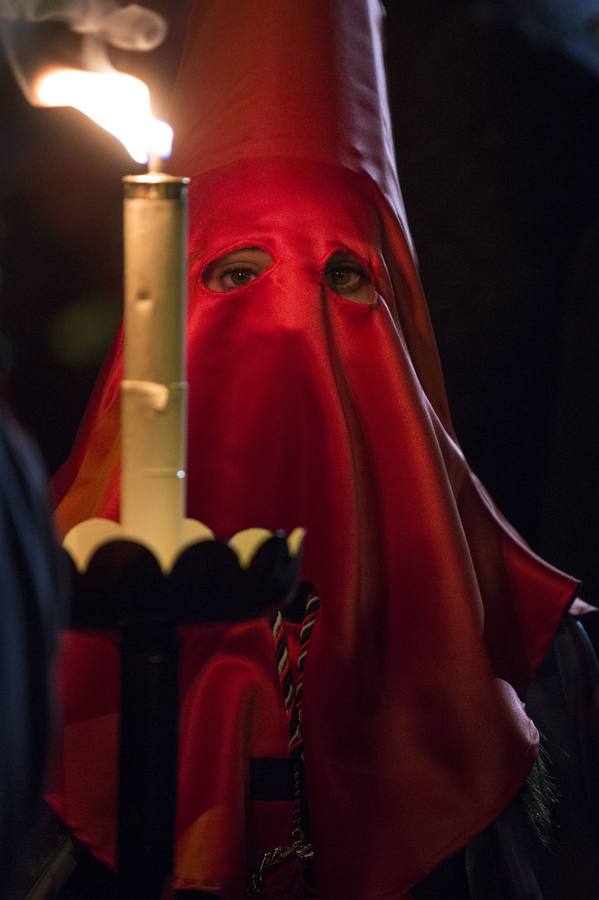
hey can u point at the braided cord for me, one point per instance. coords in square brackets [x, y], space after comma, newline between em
[282, 661]
[299, 847]
[296, 738]
[293, 694]
[293, 702]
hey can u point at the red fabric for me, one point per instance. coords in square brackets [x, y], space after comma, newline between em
[308, 409]
[230, 711]
[263, 78]
[305, 408]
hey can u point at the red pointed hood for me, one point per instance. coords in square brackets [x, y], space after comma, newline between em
[296, 80]
[307, 408]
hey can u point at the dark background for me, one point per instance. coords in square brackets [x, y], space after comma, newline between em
[498, 154]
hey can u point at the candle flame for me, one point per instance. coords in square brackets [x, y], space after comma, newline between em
[117, 102]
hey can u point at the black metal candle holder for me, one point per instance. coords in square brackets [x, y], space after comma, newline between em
[124, 589]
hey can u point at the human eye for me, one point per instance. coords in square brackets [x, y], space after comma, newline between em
[348, 277]
[236, 277]
[345, 279]
[236, 269]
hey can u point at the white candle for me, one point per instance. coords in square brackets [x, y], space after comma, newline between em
[154, 392]
[153, 389]
[153, 411]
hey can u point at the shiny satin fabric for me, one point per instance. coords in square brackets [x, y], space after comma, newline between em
[307, 408]
[264, 78]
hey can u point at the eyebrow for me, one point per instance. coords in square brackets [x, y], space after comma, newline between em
[343, 255]
[217, 259]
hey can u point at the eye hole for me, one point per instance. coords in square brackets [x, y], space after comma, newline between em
[348, 277]
[236, 269]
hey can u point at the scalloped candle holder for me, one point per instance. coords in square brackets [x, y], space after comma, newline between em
[118, 579]
[121, 583]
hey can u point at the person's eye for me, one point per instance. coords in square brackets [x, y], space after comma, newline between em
[348, 278]
[236, 269]
[236, 277]
[345, 279]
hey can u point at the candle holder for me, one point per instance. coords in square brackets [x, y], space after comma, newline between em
[123, 588]
[210, 581]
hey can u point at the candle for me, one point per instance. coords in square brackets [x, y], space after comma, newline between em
[153, 391]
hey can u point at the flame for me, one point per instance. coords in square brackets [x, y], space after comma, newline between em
[118, 102]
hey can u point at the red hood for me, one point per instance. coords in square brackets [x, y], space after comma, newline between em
[309, 409]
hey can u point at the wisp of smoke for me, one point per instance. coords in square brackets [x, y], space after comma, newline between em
[99, 23]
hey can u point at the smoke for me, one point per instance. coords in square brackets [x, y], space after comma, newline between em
[38, 34]
[130, 27]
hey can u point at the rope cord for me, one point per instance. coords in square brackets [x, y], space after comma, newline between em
[293, 700]
[299, 851]
[293, 693]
